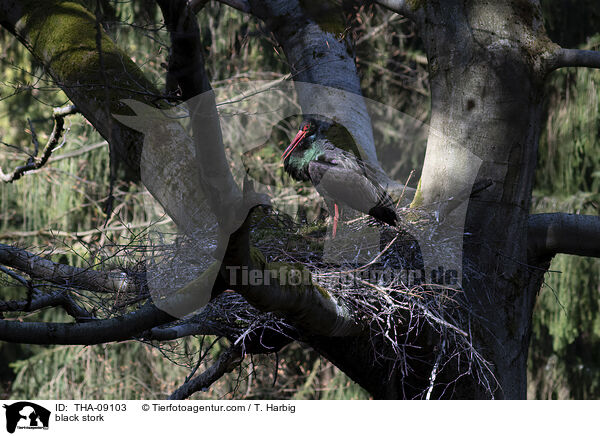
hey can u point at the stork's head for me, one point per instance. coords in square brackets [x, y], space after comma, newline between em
[308, 130]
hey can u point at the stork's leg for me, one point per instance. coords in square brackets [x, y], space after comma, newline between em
[336, 216]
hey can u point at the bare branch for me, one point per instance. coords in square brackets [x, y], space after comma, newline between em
[190, 328]
[50, 300]
[553, 233]
[399, 6]
[565, 57]
[66, 275]
[186, 69]
[226, 362]
[120, 328]
[38, 162]
[41, 301]
[240, 5]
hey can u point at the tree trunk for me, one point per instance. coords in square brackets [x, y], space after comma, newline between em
[487, 65]
[486, 71]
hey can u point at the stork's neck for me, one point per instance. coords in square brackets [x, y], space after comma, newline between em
[297, 162]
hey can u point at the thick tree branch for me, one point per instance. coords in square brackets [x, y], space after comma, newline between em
[64, 275]
[240, 5]
[50, 300]
[285, 289]
[120, 328]
[565, 57]
[36, 162]
[186, 68]
[60, 298]
[399, 6]
[553, 233]
[226, 362]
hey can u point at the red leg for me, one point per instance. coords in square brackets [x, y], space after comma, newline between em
[336, 216]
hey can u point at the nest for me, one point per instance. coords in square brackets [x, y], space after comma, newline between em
[383, 283]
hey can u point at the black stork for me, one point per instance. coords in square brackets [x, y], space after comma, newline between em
[338, 175]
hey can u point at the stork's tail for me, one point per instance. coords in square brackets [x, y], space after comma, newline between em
[385, 214]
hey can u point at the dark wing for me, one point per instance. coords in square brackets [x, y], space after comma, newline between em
[348, 180]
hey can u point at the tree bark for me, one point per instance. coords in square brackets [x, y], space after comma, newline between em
[486, 65]
[313, 38]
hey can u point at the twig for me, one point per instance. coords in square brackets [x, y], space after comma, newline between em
[434, 371]
[36, 162]
[77, 235]
[226, 362]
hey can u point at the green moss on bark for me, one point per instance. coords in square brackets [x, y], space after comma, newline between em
[416, 4]
[327, 14]
[63, 35]
[418, 198]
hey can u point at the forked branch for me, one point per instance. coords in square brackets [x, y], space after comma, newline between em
[120, 328]
[64, 275]
[226, 362]
[36, 162]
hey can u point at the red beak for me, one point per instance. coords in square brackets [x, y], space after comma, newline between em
[299, 136]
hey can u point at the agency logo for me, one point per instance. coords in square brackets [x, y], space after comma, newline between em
[25, 415]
